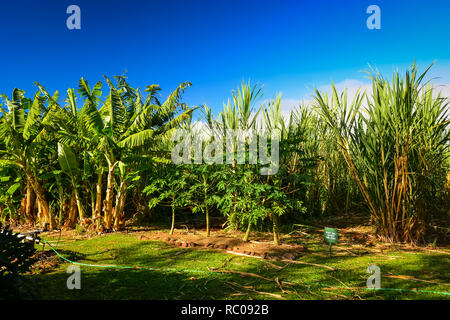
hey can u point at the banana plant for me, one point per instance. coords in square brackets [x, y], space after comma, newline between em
[25, 129]
[124, 126]
[69, 165]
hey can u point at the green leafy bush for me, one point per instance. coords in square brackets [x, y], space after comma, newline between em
[16, 257]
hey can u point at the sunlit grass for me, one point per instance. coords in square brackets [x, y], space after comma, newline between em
[193, 280]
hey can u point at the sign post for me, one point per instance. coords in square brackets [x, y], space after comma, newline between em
[331, 236]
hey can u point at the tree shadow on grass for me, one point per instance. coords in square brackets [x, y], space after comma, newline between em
[88, 257]
[159, 284]
[192, 280]
[129, 284]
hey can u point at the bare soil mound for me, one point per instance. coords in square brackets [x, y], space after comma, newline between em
[230, 243]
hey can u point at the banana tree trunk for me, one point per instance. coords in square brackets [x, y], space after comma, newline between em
[119, 216]
[96, 215]
[39, 212]
[40, 195]
[29, 214]
[93, 198]
[62, 210]
[72, 218]
[108, 204]
[98, 201]
[79, 205]
[23, 204]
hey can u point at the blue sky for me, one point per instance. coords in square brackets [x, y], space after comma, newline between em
[289, 46]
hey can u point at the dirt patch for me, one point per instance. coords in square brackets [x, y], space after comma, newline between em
[46, 261]
[263, 249]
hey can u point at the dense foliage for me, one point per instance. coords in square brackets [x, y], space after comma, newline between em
[102, 157]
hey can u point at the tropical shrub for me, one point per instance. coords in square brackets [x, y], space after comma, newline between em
[16, 258]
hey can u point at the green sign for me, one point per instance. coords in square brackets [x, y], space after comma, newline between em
[331, 235]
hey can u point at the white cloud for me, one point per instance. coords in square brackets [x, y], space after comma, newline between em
[290, 104]
[443, 89]
[352, 86]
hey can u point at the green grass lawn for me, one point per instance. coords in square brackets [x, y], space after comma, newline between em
[190, 278]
